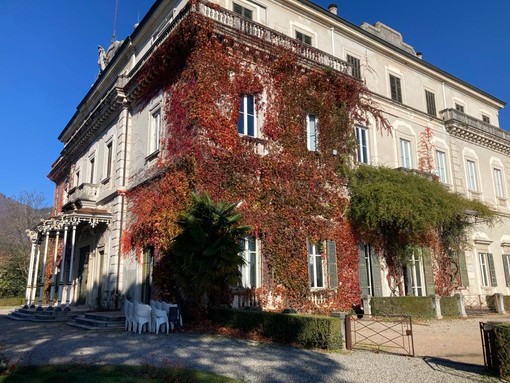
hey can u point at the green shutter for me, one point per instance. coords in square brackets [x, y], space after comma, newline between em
[362, 270]
[430, 286]
[332, 267]
[376, 274]
[492, 270]
[506, 262]
[461, 259]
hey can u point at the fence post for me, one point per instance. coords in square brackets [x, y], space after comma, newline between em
[461, 304]
[366, 304]
[500, 304]
[436, 302]
[342, 316]
[348, 332]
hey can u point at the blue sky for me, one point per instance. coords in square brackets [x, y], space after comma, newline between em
[49, 61]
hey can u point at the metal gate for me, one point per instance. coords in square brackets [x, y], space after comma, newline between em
[387, 333]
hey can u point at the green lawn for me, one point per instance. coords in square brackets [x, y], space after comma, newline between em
[108, 374]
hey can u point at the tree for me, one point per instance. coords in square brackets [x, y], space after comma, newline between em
[395, 210]
[205, 258]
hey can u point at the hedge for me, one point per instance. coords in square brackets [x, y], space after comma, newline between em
[506, 302]
[449, 306]
[421, 307]
[501, 361]
[9, 302]
[306, 330]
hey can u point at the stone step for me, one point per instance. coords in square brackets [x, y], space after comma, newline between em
[98, 325]
[106, 316]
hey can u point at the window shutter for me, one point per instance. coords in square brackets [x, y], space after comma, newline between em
[362, 271]
[492, 270]
[332, 267]
[376, 275]
[430, 286]
[461, 259]
[506, 261]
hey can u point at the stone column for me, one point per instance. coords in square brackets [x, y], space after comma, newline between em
[62, 265]
[500, 303]
[28, 292]
[342, 317]
[461, 304]
[34, 282]
[43, 272]
[70, 279]
[54, 276]
[436, 299]
[366, 304]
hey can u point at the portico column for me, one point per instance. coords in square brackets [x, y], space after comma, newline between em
[62, 266]
[34, 282]
[70, 279]
[28, 292]
[54, 276]
[43, 272]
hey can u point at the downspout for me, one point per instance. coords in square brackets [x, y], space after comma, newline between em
[122, 195]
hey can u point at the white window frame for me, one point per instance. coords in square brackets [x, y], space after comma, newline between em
[243, 9]
[108, 159]
[92, 168]
[315, 266]
[400, 91]
[472, 181]
[417, 274]
[406, 160]
[251, 262]
[441, 166]
[312, 132]
[155, 131]
[362, 145]
[244, 116]
[498, 183]
[484, 270]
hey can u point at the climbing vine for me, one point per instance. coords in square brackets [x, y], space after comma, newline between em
[287, 194]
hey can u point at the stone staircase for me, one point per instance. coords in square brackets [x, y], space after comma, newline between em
[45, 315]
[99, 321]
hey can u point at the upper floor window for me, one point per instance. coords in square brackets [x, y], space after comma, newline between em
[486, 118]
[459, 107]
[356, 66]
[77, 178]
[441, 166]
[304, 38]
[108, 158]
[315, 266]
[405, 154]
[471, 175]
[311, 132]
[92, 165]
[431, 103]
[155, 131]
[249, 269]
[396, 88]
[246, 122]
[362, 144]
[498, 183]
[243, 11]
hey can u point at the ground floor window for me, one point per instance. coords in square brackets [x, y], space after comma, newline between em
[414, 276]
[249, 253]
[315, 266]
[487, 271]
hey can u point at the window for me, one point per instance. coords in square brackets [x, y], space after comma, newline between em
[356, 67]
[414, 276]
[431, 103]
[311, 132]
[471, 174]
[441, 166]
[249, 269]
[506, 266]
[396, 88]
[245, 12]
[315, 266]
[459, 107]
[487, 271]
[155, 131]
[109, 157]
[362, 144]
[92, 163]
[405, 154]
[304, 38]
[498, 183]
[246, 122]
[486, 118]
[77, 178]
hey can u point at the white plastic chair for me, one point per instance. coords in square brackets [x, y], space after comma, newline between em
[174, 314]
[142, 316]
[128, 313]
[159, 317]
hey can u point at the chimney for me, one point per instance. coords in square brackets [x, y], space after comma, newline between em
[419, 55]
[333, 8]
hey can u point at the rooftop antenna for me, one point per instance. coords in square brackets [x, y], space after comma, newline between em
[114, 34]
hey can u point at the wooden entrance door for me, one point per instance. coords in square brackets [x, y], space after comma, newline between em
[83, 274]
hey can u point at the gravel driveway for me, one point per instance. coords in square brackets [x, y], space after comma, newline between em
[52, 343]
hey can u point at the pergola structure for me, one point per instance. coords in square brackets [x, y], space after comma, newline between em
[59, 227]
